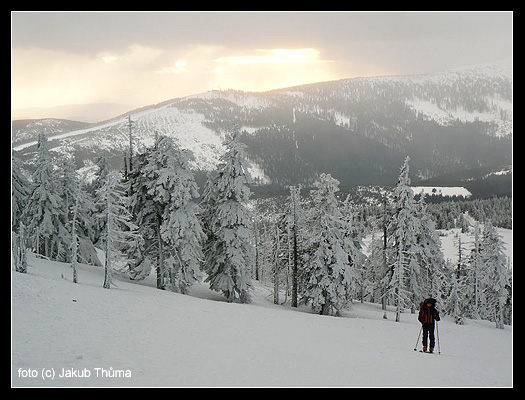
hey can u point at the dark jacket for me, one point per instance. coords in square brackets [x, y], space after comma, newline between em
[427, 315]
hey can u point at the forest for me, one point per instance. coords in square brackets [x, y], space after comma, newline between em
[153, 217]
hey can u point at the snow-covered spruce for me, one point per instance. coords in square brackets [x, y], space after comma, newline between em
[163, 193]
[328, 272]
[44, 210]
[119, 231]
[228, 251]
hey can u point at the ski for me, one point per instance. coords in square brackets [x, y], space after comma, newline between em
[428, 352]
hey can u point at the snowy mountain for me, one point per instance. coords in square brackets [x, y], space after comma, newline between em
[359, 130]
[136, 335]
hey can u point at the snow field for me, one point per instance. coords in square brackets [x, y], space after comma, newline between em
[442, 190]
[169, 339]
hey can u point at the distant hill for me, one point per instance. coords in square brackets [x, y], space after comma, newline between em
[359, 130]
[77, 112]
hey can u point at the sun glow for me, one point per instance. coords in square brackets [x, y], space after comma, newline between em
[158, 74]
[266, 69]
[274, 56]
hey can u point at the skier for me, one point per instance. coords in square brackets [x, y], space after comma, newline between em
[427, 315]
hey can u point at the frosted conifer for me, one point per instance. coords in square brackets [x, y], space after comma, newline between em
[406, 284]
[118, 228]
[44, 210]
[20, 190]
[430, 256]
[327, 268]
[495, 277]
[181, 227]
[228, 254]
[163, 193]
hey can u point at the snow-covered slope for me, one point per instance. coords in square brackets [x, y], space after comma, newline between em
[160, 338]
[186, 126]
[488, 100]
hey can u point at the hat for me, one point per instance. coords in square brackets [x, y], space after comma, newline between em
[431, 301]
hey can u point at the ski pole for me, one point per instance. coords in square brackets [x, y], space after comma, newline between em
[418, 335]
[437, 329]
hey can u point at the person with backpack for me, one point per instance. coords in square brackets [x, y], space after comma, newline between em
[428, 314]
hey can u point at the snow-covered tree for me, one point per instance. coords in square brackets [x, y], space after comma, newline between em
[376, 270]
[257, 246]
[228, 254]
[398, 291]
[406, 283]
[75, 199]
[474, 273]
[44, 210]
[280, 256]
[83, 218]
[265, 250]
[207, 205]
[74, 237]
[163, 192]
[495, 276]
[430, 256]
[353, 247]
[327, 270]
[19, 195]
[456, 303]
[181, 228]
[144, 252]
[381, 257]
[20, 190]
[67, 181]
[100, 178]
[119, 230]
[295, 222]
[149, 201]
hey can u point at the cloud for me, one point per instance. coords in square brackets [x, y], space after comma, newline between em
[266, 69]
[47, 78]
[143, 75]
[146, 57]
[65, 57]
[274, 56]
[109, 59]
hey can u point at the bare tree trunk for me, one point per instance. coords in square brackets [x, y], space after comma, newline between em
[276, 268]
[160, 265]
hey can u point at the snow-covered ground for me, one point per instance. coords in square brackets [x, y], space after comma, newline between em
[159, 338]
[442, 191]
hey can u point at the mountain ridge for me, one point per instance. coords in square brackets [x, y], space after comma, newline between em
[358, 129]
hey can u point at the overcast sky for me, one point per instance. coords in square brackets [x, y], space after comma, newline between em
[140, 58]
